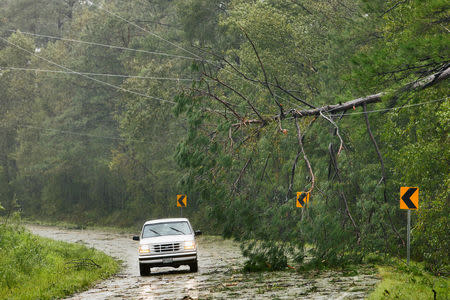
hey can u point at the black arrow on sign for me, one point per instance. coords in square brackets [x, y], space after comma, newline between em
[180, 200]
[301, 198]
[406, 198]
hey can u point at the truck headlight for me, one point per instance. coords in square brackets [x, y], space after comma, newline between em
[190, 245]
[144, 249]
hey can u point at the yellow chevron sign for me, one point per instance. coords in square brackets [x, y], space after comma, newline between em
[409, 198]
[181, 200]
[302, 198]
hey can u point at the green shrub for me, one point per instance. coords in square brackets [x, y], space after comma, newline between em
[430, 235]
[264, 256]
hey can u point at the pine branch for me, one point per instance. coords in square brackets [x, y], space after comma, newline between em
[305, 157]
[237, 93]
[416, 85]
[266, 81]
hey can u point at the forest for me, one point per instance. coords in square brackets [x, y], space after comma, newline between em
[109, 109]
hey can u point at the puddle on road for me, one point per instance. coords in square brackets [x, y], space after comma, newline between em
[218, 277]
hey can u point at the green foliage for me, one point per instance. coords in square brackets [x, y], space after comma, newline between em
[402, 282]
[39, 16]
[430, 236]
[34, 267]
[325, 233]
[199, 19]
[414, 140]
[412, 42]
[264, 256]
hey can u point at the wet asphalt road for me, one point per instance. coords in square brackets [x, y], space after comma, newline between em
[218, 277]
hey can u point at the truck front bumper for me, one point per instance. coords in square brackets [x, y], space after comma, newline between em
[173, 259]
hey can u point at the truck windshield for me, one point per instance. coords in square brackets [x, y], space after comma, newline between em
[171, 228]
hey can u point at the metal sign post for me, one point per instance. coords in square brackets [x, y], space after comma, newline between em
[408, 237]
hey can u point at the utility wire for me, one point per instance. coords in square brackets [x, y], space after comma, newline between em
[99, 74]
[143, 29]
[143, 51]
[179, 47]
[104, 45]
[77, 133]
[148, 142]
[86, 76]
[155, 78]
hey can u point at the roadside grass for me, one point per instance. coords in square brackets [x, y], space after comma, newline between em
[400, 281]
[33, 267]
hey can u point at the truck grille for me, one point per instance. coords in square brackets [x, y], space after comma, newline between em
[172, 247]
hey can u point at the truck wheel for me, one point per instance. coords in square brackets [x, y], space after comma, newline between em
[194, 267]
[144, 269]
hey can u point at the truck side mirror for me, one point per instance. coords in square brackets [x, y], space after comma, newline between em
[197, 232]
[136, 238]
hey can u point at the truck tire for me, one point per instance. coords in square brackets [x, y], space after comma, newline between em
[194, 267]
[144, 269]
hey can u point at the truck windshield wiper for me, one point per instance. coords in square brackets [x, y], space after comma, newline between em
[177, 230]
[155, 231]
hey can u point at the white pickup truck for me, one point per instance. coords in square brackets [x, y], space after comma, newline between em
[167, 243]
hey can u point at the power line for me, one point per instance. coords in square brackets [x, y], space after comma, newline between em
[99, 74]
[177, 46]
[86, 76]
[148, 142]
[143, 29]
[80, 134]
[104, 45]
[143, 51]
[77, 133]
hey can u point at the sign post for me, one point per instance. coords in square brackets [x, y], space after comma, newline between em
[409, 199]
[408, 237]
[181, 202]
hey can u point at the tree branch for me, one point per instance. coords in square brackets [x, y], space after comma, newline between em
[300, 143]
[292, 95]
[223, 102]
[266, 82]
[417, 85]
[239, 94]
[235, 185]
[341, 145]
[291, 183]
[383, 171]
[265, 166]
[253, 80]
[380, 158]
[395, 5]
